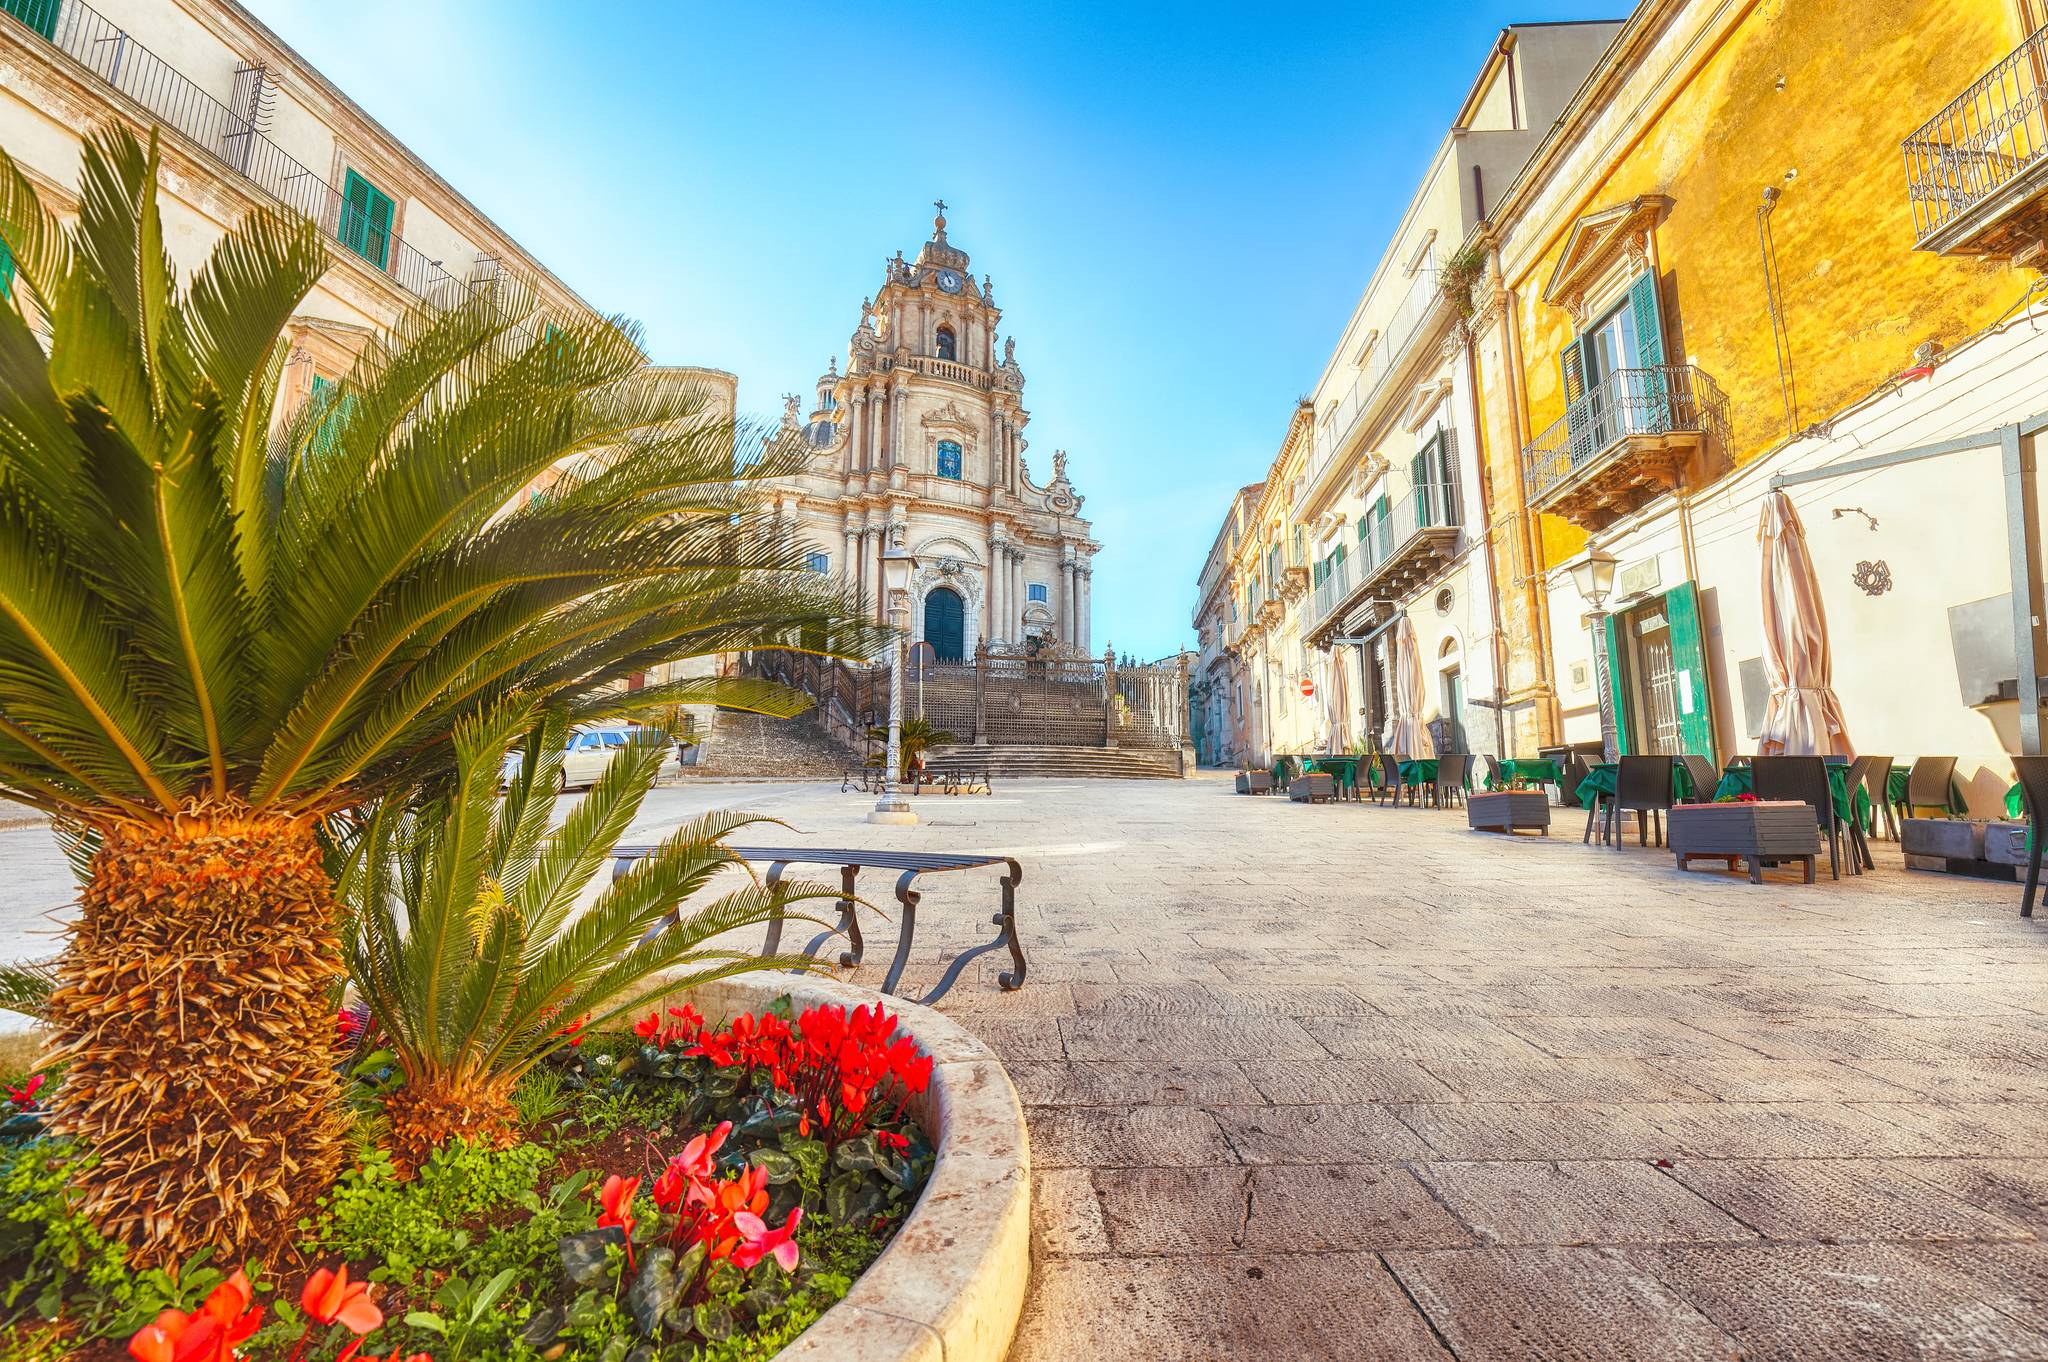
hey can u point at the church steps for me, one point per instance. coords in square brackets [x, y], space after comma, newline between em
[1087, 763]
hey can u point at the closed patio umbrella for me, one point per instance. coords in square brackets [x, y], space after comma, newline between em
[1337, 703]
[1804, 715]
[1405, 732]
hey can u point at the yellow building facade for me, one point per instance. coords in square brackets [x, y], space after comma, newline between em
[1725, 271]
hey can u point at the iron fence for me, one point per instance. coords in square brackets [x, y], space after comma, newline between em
[1669, 399]
[1988, 136]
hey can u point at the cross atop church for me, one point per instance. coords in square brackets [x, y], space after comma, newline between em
[940, 204]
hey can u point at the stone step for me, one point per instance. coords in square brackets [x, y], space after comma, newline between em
[1098, 763]
[751, 745]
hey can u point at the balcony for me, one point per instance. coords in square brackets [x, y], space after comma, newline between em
[1331, 591]
[1421, 306]
[1977, 174]
[237, 142]
[1626, 441]
[1408, 548]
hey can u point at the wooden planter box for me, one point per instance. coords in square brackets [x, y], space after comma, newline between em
[1508, 811]
[1317, 787]
[1759, 832]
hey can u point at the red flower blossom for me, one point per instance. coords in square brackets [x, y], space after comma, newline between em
[210, 1335]
[757, 1241]
[332, 1298]
[25, 1096]
[616, 1197]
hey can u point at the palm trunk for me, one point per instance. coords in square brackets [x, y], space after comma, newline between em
[431, 1110]
[196, 1013]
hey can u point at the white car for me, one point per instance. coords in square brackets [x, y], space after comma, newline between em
[586, 754]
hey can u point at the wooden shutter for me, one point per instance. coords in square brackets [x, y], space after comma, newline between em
[6, 268]
[1574, 373]
[1651, 398]
[365, 226]
[380, 228]
[1617, 682]
[1689, 668]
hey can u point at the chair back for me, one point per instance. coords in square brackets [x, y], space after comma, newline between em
[1804, 779]
[1454, 772]
[1643, 783]
[1859, 774]
[1877, 775]
[1927, 784]
[1706, 778]
[2033, 774]
[1439, 730]
[1493, 779]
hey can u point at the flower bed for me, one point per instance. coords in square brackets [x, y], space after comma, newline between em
[679, 1190]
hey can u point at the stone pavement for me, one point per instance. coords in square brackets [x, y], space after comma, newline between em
[1353, 1083]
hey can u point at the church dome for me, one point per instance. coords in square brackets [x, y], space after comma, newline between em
[939, 252]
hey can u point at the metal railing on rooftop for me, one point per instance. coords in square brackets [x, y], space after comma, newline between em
[1389, 350]
[1672, 399]
[1985, 139]
[113, 55]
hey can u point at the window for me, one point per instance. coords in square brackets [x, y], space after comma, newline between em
[1037, 592]
[40, 15]
[949, 459]
[338, 410]
[949, 348]
[817, 562]
[365, 225]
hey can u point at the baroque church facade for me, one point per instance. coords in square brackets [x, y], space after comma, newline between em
[919, 448]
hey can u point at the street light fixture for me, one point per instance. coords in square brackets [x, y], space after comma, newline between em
[1593, 574]
[897, 568]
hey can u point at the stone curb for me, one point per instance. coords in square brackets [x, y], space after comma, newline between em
[951, 1285]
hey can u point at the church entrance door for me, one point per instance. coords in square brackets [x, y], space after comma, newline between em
[945, 624]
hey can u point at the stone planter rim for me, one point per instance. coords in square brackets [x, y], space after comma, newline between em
[950, 1286]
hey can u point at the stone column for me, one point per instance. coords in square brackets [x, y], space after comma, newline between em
[896, 454]
[1084, 618]
[850, 562]
[1067, 601]
[858, 572]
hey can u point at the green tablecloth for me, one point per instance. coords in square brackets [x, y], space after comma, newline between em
[1285, 769]
[1895, 788]
[1343, 770]
[1740, 780]
[1599, 780]
[2015, 802]
[1540, 770]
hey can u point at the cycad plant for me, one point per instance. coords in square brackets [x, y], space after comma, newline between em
[472, 936]
[915, 737]
[221, 625]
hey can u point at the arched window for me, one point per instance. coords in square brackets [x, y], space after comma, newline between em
[949, 348]
[949, 459]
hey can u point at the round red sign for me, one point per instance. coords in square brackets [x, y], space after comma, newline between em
[1308, 689]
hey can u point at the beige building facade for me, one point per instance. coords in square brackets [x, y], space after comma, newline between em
[920, 449]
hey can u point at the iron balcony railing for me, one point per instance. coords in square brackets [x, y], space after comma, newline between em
[1672, 399]
[1428, 505]
[1335, 586]
[114, 56]
[1994, 132]
[1411, 315]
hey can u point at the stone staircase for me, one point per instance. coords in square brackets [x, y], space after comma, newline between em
[1086, 763]
[751, 745]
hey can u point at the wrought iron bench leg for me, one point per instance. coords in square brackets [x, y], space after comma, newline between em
[848, 925]
[906, 929]
[1005, 918]
[773, 943]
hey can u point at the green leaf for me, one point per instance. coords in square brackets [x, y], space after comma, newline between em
[420, 1319]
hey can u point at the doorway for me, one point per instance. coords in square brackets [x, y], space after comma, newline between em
[945, 623]
[1451, 700]
[1655, 694]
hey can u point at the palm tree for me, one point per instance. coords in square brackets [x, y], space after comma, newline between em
[219, 629]
[915, 737]
[460, 936]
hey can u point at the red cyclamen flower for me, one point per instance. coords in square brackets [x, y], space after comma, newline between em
[207, 1336]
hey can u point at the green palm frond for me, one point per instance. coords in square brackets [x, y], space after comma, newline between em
[204, 596]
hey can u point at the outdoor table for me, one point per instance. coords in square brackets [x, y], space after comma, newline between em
[911, 864]
[1741, 780]
[1343, 770]
[1534, 770]
[1599, 780]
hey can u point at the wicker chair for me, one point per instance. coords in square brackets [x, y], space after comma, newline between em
[1805, 780]
[2033, 774]
[1927, 786]
[1642, 786]
[1493, 776]
[1859, 778]
[1706, 777]
[1375, 777]
[1453, 774]
[1877, 777]
[1571, 769]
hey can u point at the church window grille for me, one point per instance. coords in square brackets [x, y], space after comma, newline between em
[817, 562]
[949, 459]
[1037, 593]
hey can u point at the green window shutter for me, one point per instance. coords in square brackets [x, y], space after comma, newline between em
[6, 268]
[1338, 556]
[322, 441]
[1642, 297]
[1689, 666]
[40, 15]
[1574, 375]
[365, 225]
[1617, 682]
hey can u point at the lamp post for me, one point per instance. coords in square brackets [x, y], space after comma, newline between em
[1593, 574]
[892, 807]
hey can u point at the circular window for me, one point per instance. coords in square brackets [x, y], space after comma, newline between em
[1444, 601]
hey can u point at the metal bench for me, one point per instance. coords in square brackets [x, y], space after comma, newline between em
[909, 865]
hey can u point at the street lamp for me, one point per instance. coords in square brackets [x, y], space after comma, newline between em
[892, 807]
[1593, 574]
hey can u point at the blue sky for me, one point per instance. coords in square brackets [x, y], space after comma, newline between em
[1178, 203]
